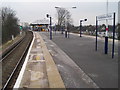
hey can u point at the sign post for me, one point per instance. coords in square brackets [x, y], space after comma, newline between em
[96, 33]
[106, 17]
[21, 28]
[113, 45]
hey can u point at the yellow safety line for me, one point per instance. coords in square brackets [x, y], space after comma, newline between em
[37, 57]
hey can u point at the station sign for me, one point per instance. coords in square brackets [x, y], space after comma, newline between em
[21, 27]
[42, 21]
[105, 16]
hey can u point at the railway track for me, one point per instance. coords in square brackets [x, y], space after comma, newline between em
[11, 48]
[13, 60]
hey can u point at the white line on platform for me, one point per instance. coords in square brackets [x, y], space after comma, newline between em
[99, 38]
[18, 81]
[52, 45]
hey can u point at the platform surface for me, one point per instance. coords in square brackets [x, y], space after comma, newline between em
[40, 70]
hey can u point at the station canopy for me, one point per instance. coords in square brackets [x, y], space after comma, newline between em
[41, 22]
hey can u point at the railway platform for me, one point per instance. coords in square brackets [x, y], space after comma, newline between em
[39, 69]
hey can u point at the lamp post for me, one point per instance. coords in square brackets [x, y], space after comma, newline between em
[48, 16]
[106, 33]
[81, 26]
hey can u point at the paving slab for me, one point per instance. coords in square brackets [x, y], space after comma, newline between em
[40, 70]
[35, 75]
[101, 68]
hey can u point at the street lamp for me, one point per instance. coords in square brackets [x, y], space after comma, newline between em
[81, 26]
[74, 7]
[106, 33]
[48, 16]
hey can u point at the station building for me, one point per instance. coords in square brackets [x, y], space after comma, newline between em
[40, 25]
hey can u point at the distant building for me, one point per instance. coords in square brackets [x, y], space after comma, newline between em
[40, 25]
[119, 12]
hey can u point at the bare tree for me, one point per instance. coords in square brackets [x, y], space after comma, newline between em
[118, 29]
[64, 17]
[9, 24]
[0, 26]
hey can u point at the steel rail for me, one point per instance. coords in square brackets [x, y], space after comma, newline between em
[17, 65]
[13, 48]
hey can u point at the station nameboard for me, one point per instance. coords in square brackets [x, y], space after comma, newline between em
[41, 21]
[21, 27]
[105, 16]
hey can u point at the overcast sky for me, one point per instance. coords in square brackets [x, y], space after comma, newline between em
[32, 10]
